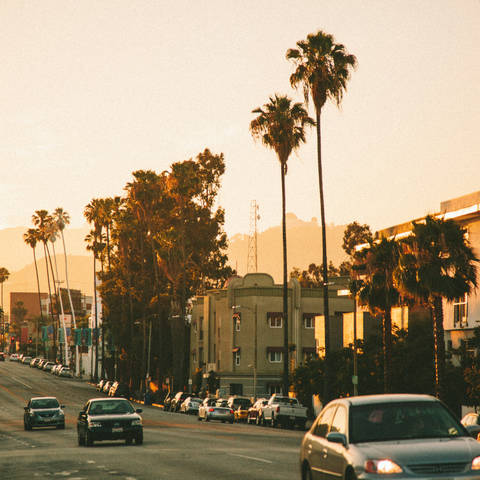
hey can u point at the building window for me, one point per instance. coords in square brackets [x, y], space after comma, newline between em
[194, 357]
[460, 311]
[236, 357]
[200, 356]
[236, 389]
[200, 326]
[309, 321]
[275, 357]
[236, 321]
[274, 388]
[275, 320]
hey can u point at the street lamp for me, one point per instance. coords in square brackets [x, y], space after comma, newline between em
[234, 307]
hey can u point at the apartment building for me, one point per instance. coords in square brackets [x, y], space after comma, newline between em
[237, 331]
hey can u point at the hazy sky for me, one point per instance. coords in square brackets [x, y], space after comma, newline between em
[93, 90]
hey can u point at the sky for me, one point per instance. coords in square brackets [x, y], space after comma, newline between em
[91, 91]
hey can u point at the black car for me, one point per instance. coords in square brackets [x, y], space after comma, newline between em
[109, 419]
[43, 412]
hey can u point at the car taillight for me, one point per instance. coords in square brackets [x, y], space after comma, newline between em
[211, 409]
[278, 409]
[231, 411]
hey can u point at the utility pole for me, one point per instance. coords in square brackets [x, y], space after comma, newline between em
[252, 260]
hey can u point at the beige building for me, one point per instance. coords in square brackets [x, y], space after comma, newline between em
[237, 331]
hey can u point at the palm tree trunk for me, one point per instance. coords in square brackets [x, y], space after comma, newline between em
[286, 383]
[51, 301]
[326, 312]
[39, 299]
[59, 298]
[96, 316]
[387, 350]
[439, 346]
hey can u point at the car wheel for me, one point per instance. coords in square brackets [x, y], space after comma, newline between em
[88, 439]
[350, 475]
[139, 439]
[307, 473]
[28, 426]
[61, 426]
[81, 439]
[129, 440]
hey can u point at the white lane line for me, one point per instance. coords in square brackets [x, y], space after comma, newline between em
[24, 384]
[250, 458]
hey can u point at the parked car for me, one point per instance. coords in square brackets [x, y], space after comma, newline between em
[13, 357]
[112, 389]
[397, 436]
[43, 412]
[109, 419]
[56, 368]
[471, 421]
[167, 401]
[212, 410]
[254, 414]
[41, 363]
[119, 389]
[178, 400]
[106, 386]
[47, 366]
[190, 405]
[100, 384]
[285, 412]
[2, 357]
[65, 372]
[34, 361]
[26, 360]
[240, 406]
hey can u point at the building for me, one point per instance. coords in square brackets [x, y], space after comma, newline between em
[237, 331]
[462, 316]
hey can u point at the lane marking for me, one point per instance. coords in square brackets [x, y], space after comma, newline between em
[250, 458]
[24, 384]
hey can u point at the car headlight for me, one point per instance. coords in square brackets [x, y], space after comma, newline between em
[138, 421]
[94, 424]
[384, 466]
[476, 463]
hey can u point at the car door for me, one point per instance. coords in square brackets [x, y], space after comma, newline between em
[335, 458]
[317, 445]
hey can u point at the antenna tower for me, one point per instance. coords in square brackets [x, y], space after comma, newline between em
[252, 263]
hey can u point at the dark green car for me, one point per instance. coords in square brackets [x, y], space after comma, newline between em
[109, 419]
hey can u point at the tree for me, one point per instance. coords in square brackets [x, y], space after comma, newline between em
[379, 293]
[355, 234]
[313, 276]
[437, 262]
[4, 274]
[280, 125]
[323, 69]
[31, 238]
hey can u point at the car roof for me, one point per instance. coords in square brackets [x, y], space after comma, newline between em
[386, 398]
[101, 399]
[43, 398]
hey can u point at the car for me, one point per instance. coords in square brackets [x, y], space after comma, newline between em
[2, 356]
[190, 405]
[26, 360]
[254, 414]
[43, 412]
[106, 386]
[109, 419]
[212, 409]
[99, 385]
[47, 366]
[13, 357]
[41, 363]
[398, 436]
[179, 398]
[240, 406]
[471, 421]
[119, 389]
[56, 368]
[167, 401]
[34, 362]
[112, 389]
[65, 372]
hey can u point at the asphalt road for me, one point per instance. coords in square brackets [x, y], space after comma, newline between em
[175, 446]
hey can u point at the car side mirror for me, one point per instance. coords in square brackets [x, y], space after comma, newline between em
[62, 406]
[138, 410]
[336, 437]
[82, 415]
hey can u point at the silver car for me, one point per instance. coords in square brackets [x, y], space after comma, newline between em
[388, 436]
[212, 410]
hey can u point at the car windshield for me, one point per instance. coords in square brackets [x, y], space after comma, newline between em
[40, 403]
[244, 403]
[401, 421]
[110, 407]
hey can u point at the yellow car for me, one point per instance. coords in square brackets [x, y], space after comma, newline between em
[240, 406]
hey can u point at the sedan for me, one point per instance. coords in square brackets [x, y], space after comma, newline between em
[394, 436]
[109, 419]
[190, 405]
[471, 421]
[211, 410]
[43, 412]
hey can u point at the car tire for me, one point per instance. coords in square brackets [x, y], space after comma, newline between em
[128, 440]
[28, 426]
[81, 440]
[350, 475]
[139, 439]
[259, 420]
[61, 426]
[207, 419]
[307, 473]
[88, 439]
[273, 422]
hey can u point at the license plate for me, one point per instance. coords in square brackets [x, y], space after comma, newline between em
[117, 429]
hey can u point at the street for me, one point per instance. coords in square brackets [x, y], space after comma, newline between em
[175, 445]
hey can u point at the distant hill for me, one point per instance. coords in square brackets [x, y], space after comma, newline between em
[304, 246]
[303, 243]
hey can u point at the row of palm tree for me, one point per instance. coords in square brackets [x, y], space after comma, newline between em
[4, 274]
[48, 228]
[434, 263]
[322, 70]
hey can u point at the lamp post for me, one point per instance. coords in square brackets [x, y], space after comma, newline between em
[234, 307]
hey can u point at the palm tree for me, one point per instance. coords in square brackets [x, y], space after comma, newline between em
[62, 219]
[280, 125]
[323, 69]
[378, 292]
[31, 238]
[4, 274]
[437, 262]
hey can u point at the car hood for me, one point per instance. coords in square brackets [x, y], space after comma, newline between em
[125, 416]
[444, 450]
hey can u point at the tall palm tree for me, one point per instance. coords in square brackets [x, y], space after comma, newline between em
[280, 125]
[437, 262]
[4, 274]
[62, 219]
[31, 238]
[379, 293]
[323, 69]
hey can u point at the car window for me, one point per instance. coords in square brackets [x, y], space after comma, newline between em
[323, 422]
[339, 423]
[41, 403]
[110, 407]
